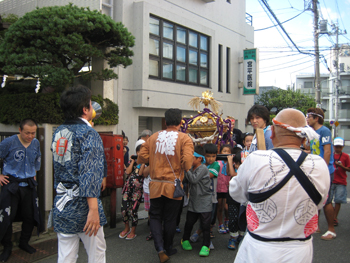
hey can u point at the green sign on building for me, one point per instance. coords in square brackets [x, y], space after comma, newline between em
[251, 71]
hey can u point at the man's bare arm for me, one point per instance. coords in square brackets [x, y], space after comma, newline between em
[93, 219]
[327, 153]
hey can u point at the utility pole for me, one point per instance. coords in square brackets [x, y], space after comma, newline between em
[336, 32]
[317, 55]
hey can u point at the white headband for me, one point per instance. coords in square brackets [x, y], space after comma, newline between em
[302, 132]
[312, 113]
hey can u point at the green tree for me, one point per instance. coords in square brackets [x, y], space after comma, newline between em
[5, 21]
[281, 99]
[54, 43]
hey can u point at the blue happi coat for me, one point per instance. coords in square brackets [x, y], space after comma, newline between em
[78, 157]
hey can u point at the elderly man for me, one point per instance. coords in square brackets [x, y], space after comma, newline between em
[284, 188]
[169, 153]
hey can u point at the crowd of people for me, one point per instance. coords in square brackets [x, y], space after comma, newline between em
[256, 192]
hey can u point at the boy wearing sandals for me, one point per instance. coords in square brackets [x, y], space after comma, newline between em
[341, 166]
[200, 201]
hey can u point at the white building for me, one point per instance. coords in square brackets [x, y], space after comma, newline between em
[182, 48]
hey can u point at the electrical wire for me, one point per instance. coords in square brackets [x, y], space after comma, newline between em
[281, 26]
[287, 66]
[336, 3]
[281, 23]
[285, 63]
[269, 13]
[280, 56]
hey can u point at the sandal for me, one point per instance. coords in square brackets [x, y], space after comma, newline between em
[123, 234]
[329, 235]
[130, 237]
[149, 237]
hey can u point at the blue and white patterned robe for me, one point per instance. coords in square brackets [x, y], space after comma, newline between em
[78, 157]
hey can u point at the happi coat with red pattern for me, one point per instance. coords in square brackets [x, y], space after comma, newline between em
[289, 215]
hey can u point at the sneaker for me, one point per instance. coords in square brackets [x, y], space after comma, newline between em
[204, 251]
[211, 245]
[186, 245]
[232, 244]
[178, 230]
[194, 237]
[222, 229]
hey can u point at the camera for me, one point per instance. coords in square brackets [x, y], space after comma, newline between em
[223, 157]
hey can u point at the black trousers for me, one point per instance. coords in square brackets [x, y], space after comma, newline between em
[191, 219]
[21, 203]
[163, 213]
[180, 212]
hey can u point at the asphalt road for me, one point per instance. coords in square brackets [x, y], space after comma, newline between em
[141, 251]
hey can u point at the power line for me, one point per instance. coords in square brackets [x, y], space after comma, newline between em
[280, 56]
[281, 23]
[336, 2]
[281, 26]
[299, 70]
[285, 63]
[287, 66]
[269, 12]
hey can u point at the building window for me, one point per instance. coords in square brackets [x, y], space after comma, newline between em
[220, 68]
[177, 53]
[308, 85]
[228, 69]
[345, 106]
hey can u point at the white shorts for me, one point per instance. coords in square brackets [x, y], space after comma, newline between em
[68, 247]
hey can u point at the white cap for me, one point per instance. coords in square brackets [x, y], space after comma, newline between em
[339, 141]
[139, 142]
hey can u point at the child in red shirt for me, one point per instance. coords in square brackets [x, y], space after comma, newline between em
[341, 166]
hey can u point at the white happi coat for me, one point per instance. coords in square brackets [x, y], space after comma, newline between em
[289, 213]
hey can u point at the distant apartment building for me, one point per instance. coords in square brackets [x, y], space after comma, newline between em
[306, 83]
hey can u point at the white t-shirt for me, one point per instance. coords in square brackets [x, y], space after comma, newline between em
[146, 184]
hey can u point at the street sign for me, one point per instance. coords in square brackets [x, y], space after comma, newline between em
[251, 71]
[336, 124]
[331, 122]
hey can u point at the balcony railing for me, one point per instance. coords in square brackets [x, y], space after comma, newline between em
[307, 90]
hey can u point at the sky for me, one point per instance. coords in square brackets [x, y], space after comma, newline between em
[279, 60]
